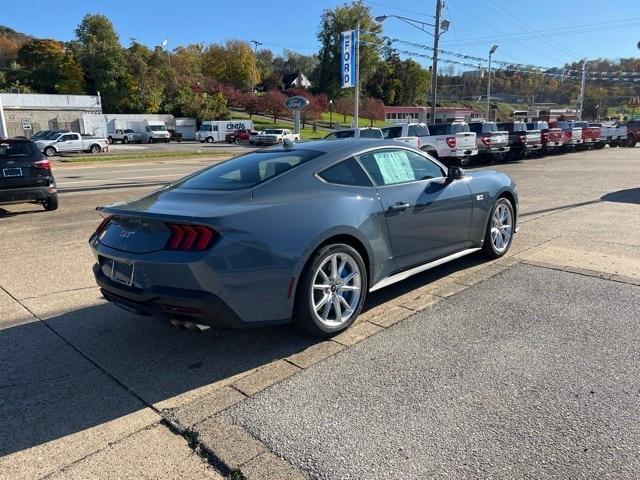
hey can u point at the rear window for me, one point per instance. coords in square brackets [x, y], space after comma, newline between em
[506, 126]
[488, 127]
[9, 149]
[392, 132]
[370, 133]
[248, 170]
[418, 131]
[519, 127]
[440, 129]
[459, 127]
[581, 124]
[348, 172]
[340, 134]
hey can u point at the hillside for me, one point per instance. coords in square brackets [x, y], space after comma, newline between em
[10, 42]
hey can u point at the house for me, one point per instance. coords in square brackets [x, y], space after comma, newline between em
[295, 80]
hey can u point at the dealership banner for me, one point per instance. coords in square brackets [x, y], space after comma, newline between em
[348, 59]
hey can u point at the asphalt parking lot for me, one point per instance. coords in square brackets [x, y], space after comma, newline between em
[526, 367]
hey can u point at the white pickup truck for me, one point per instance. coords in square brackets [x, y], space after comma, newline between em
[272, 136]
[441, 140]
[72, 142]
[613, 134]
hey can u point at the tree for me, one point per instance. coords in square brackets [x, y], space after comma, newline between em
[251, 104]
[273, 104]
[48, 68]
[232, 64]
[372, 109]
[212, 106]
[101, 57]
[345, 106]
[333, 22]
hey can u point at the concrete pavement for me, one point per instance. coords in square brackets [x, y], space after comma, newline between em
[82, 380]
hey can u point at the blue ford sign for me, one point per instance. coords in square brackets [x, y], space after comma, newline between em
[296, 103]
[348, 59]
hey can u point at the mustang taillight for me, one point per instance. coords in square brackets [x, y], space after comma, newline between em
[102, 226]
[194, 238]
[486, 139]
[451, 141]
[44, 164]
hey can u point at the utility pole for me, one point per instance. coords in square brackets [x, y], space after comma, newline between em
[434, 68]
[255, 69]
[356, 100]
[582, 88]
[491, 52]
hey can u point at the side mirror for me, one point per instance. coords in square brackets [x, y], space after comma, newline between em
[455, 173]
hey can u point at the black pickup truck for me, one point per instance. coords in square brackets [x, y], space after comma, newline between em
[521, 140]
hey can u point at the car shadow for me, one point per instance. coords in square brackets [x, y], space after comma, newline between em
[630, 195]
[87, 367]
[8, 213]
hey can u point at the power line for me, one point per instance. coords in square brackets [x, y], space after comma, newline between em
[528, 28]
[405, 10]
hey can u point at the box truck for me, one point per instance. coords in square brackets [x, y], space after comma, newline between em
[215, 130]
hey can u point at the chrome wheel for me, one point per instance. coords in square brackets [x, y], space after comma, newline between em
[336, 289]
[501, 227]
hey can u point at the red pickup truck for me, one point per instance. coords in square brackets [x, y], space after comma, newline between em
[590, 135]
[552, 140]
[237, 136]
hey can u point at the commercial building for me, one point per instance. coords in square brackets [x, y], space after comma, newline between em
[24, 113]
[423, 114]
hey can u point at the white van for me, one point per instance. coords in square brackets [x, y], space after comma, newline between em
[215, 130]
[155, 131]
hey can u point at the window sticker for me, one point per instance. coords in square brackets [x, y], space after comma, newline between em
[395, 167]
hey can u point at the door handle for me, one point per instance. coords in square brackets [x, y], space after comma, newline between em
[399, 206]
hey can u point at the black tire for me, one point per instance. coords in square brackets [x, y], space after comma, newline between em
[488, 247]
[209, 139]
[125, 139]
[51, 203]
[304, 314]
[110, 139]
[237, 141]
[95, 148]
[150, 140]
[49, 152]
[464, 161]
[631, 141]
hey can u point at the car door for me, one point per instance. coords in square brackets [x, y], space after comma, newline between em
[65, 143]
[428, 216]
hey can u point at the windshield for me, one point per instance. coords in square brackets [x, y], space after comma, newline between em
[52, 135]
[157, 128]
[418, 131]
[128, 130]
[17, 149]
[248, 170]
[273, 132]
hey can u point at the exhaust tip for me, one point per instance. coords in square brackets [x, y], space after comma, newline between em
[187, 325]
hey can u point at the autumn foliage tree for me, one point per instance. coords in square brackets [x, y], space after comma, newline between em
[372, 109]
[273, 103]
[344, 105]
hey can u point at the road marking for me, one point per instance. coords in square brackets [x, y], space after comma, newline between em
[117, 180]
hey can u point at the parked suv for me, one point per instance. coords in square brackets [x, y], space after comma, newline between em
[522, 140]
[492, 143]
[25, 175]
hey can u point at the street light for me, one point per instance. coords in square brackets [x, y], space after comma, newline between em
[491, 52]
[444, 25]
[255, 71]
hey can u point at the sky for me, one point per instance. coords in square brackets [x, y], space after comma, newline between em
[544, 32]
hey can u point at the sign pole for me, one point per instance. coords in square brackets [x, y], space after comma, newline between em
[356, 102]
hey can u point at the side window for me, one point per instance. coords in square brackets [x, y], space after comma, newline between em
[392, 132]
[331, 136]
[390, 167]
[215, 128]
[418, 131]
[348, 172]
[370, 133]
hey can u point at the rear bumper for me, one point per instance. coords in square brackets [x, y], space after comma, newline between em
[494, 150]
[466, 152]
[26, 194]
[173, 303]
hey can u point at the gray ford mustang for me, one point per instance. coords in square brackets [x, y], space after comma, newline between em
[298, 231]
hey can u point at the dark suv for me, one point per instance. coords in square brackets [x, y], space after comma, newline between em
[25, 175]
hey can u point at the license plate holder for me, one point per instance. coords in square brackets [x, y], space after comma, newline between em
[12, 172]
[122, 272]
